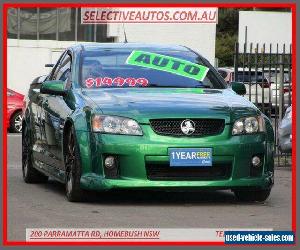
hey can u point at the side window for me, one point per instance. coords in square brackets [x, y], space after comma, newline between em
[56, 67]
[223, 73]
[64, 69]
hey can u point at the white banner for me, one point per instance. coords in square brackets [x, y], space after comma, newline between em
[132, 234]
[148, 15]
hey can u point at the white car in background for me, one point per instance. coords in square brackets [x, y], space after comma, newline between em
[260, 88]
[285, 132]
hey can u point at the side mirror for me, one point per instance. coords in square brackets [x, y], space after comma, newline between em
[53, 88]
[239, 88]
[39, 79]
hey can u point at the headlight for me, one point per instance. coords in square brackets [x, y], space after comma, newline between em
[115, 125]
[248, 125]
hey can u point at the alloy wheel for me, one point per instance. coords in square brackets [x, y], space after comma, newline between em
[70, 161]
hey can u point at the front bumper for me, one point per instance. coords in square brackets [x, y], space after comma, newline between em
[135, 152]
[96, 182]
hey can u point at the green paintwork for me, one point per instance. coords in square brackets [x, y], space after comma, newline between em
[50, 116]
[135, 152]
[53, 87]
[167, 63]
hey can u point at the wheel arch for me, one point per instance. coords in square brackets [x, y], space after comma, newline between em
[13, 113]
[68, 124]
[80, 122]
[269, 130]
[270, 145]
[26, 116]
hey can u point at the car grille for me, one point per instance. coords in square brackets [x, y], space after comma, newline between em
[203, 127]
[165, 172]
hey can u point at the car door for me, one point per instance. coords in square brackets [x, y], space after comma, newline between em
[11, 101]
[56, 110]
[35, 122]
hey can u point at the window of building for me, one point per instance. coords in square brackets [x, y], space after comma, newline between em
[12, 23]
[85, 32]
[28, 23]
[48, 23]
[63, 24]
[67, 24]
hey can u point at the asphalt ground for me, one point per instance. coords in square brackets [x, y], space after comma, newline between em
[45, 206]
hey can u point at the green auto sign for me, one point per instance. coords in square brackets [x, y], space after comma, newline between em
[167, 63]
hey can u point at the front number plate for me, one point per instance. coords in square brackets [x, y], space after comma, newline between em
[190, 157]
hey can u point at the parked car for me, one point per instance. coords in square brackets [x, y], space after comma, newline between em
[227, 74]
[144, 116]
[14, 111]
[255, 84]
[261, 88]
[285, 132]
[287, 88]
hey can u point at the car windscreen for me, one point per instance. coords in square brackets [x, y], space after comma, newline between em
[115, 68]
[252, 77]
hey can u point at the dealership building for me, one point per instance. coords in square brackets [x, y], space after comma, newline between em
[37, 36]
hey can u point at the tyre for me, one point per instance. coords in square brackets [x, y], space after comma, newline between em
[16, 122]
[259, 195]
[73, 168]
[30, 174]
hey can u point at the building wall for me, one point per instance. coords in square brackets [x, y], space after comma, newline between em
[26, 58]
[265, 27]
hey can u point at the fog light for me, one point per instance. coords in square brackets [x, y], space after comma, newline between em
[110, 162]
[256, 161]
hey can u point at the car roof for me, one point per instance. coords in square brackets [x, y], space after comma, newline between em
[240, 69]
[246, 69]
[152, 46]
[227, 69]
